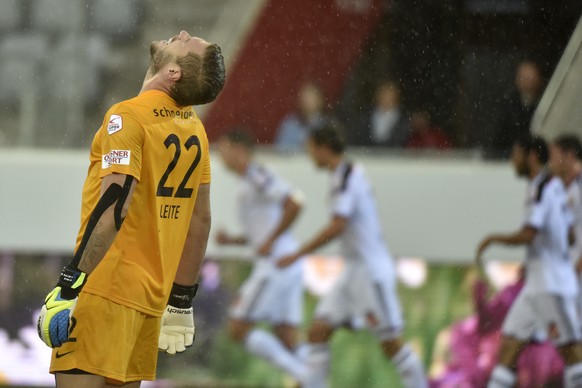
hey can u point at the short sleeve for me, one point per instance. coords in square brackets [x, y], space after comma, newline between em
[121, 144]
[206, 170]
[537, 211]
[277, 189]
[344, 200]
[270, 185]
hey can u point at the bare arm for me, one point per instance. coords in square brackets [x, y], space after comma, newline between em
[521, 237]
[333, 229]
[223, 238]
[291, 210]
[196, 240]
[105, 221]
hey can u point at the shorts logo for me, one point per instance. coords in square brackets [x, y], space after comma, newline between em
[120, 157]
[115, 124]
[59, 355]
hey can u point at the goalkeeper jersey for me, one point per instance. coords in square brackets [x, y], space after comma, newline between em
[165, 148]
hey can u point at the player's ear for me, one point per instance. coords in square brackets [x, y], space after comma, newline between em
[174, 73]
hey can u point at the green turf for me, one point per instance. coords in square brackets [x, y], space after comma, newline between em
[356, 358]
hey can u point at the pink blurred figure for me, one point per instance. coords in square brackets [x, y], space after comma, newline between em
[475, 340]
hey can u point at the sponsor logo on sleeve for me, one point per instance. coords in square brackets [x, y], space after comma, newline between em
[115, 124]
[121, 157]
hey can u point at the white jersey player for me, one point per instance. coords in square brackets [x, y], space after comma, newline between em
[367, 286]
[268, 206]
[548, 300]
[574, 193]
[565, 159]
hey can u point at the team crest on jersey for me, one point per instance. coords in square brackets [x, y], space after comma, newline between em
[121, 157]
[115, 124]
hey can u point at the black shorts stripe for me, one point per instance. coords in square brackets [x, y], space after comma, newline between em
[256, 296]
[403, 359]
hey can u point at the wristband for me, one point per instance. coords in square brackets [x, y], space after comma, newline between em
[181, 296]
[71, 282]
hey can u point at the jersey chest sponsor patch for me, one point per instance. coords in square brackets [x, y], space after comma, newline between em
[122, 157]
[115, 124]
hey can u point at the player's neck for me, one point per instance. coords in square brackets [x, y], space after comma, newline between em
[243, 167]
[535, 170]
[335, 161]
[572, 174]
[154, 82]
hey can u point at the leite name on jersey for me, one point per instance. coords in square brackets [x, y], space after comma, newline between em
[169, 211]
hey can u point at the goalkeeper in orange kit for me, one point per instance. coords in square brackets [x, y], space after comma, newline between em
[145, 224]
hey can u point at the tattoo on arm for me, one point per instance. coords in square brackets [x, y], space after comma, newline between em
[93, 252]
[104, 223]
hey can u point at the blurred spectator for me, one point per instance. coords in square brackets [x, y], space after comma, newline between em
[517, 109]
[384, 123]
[388, 125]
[310, 114]
[424, 135]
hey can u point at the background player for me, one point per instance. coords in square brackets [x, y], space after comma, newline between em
[565, 159]
[548, 299]
[267, 206]
[151, 151]
[367, 286]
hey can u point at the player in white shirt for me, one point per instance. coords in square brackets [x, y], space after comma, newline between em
[548, 300]
[565, 159]
[367, 286]
[267, 206]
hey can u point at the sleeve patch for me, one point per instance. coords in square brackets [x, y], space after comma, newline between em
[120, 157]
[115, 124]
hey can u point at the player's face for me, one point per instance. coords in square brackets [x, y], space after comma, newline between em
[226, 149]
[558, 160]
[234, 156]
[519, 160]
[315, 152]
[177, 46]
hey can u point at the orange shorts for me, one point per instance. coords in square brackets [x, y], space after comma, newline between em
[110, 340]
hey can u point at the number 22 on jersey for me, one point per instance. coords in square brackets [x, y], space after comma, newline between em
[163, 190]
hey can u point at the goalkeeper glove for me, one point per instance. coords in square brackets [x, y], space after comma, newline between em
[177, 329]
[54, 321]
